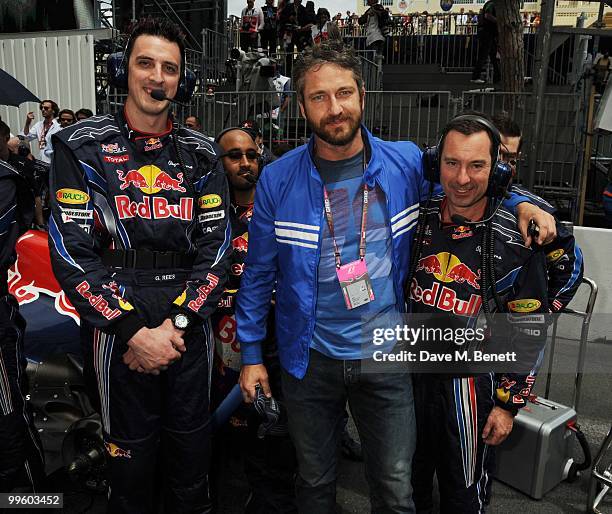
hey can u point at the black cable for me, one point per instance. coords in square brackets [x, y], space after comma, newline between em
[179, 155]
[416, 251]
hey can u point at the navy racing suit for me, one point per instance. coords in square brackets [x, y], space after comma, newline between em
[139, 231]
[453, 402]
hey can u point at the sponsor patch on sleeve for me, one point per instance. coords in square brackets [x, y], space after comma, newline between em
[211, 216]
[524, 305]
[72, 196]
[209, 201]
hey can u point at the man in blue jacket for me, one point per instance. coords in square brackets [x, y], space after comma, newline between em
[331, 232]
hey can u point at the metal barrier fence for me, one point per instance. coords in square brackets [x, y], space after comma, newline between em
[559, 141]
[412, 24]
[215, 52]
[418, 116]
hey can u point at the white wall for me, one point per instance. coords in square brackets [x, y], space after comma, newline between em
[60, 68]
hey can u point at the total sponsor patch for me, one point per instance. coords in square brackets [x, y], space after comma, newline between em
[211, 216]
[116, 159]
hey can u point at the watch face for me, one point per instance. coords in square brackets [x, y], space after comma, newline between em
[181, 321]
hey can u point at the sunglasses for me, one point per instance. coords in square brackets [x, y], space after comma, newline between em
[66, 120]
[45, 108]
[236, 155]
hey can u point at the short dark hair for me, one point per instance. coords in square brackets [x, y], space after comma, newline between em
[5, 132]
[507, 126]
[67, 111]
[196, 118]
[54, 106]
[88, 113]
[328, 52]
[159, 27]
[466, 125]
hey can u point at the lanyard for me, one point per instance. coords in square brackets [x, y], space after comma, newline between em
[364, 217]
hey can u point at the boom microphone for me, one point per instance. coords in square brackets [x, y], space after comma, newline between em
[160, 96]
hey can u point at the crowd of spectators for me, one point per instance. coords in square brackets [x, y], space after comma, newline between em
[53, 119]
[293, 23]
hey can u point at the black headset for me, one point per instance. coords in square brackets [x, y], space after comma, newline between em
[500, 177]
[117, 68]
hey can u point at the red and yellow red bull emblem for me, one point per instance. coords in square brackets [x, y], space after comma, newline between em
[447, 267]
[150, 180]
[462, 232]
[114, 451]
[153, 143]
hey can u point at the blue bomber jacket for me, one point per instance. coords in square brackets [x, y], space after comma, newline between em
[285, 236]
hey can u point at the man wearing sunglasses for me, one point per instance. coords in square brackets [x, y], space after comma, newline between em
[511, 139]
[42, 129]
[272, 490]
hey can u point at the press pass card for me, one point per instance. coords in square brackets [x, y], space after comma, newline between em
[355, 283]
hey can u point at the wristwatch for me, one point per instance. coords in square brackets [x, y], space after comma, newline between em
[181, 321]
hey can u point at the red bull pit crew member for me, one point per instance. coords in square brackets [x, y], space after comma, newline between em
[139, 253]
[342, 208]
[269, 458]
[461, 413]
[21, 455]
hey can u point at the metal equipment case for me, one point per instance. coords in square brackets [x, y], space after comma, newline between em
[538, 446]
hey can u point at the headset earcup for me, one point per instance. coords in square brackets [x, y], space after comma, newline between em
[499, 180]
[431, 164]
[117, 70]
[185, 87]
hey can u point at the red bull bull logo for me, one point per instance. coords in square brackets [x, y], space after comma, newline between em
[155, 208]
[462, 232]
[150, 180]
[153, 143]
[31, 275]
[241, 243]
[114, 451]
[446, 267]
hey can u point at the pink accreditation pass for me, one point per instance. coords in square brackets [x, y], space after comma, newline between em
[355, 283]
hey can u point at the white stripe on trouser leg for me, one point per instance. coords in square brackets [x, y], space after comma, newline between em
[6, 403]
[102, 350]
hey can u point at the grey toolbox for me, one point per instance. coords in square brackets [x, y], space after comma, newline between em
[538, 452]
[539, 446]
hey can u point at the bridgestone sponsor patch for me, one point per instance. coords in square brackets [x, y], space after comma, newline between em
[83, 214]
[211, 216]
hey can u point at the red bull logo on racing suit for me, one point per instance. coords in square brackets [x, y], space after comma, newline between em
[150, 180]
[446, 268]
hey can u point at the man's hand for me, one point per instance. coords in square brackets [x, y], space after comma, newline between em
[546, 223]
[250, 376]
[498, 426]
[29, 118]
[154, 349]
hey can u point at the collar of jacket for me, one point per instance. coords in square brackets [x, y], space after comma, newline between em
[373, 157]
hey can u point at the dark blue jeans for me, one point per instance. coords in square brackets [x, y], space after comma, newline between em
[382, 405]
